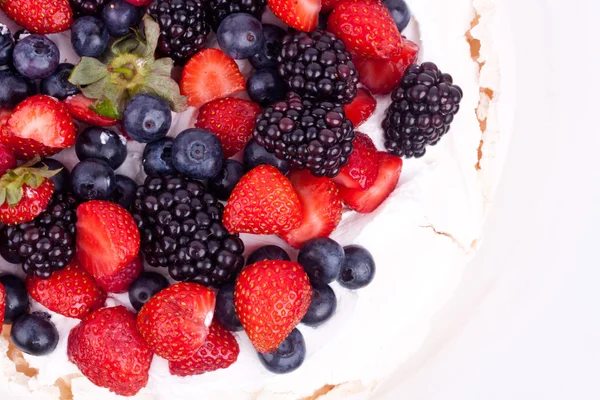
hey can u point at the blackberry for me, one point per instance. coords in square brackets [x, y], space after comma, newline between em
[316, 65]
[315, 136]
[88, 7]
[46, 244]
[423, 107]
[220, 9]
[184, 27]
[181, 229]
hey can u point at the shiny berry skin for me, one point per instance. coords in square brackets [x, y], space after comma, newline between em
[34, 334]
[7, 160]
[266, 57]
[288, 357]
[101, 144]
[268, 252]
[58, 85]
[222, 185]
[6, 45]
[119, 16]
[156, 159]
[93, 180]
[197, 153]
[124, 193]
[89, 37]
[88, 7]
[358, 269]
[14, 88]
[145, 287]
[221, 9]
[400, 12]
[16, 297]
[147, 118]
[225, 309]
[62, 180]
[36, 57]
[322, 259]
[255, 155]
[265, 87]
[240, 36]
[322, 306]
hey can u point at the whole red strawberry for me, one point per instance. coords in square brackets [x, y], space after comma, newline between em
[219, 351]
[231, 119]
[39, 16]
[263, 202]
[119, 282]
[71, 292]
[108, 349]
[302, 15]
[7, 159]
[363, 165]
[79, 107]
[2, 303]
[271, 297]
[175, 321]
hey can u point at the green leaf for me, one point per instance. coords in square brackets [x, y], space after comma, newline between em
[126, 44]
[14, 194]
[162, 66]
[106, 108]
[152, 32]
[116, 95]
[88, 71]
[166, 88]
[2, 195]
[96, 89]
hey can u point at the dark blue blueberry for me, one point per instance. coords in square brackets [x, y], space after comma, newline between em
[322, 305]
[240, 35]
[58, 85]
[400, 12]
[322, 259]
[225, 309]
[197, 153]
[266, 57]
[16, 297]
[358, 269]
[119, 16]
[6, 45]
[93, 180]
[62, 180]
[147, 118]
[288, 356]
[156, 159]
[89, 37]
[145, 287]
[268, 252]
[14, 89]
[34, 334]
[36, 57]
[222, 185]
[101, 144]
[255, 155]
[124, 193]
[265, 86]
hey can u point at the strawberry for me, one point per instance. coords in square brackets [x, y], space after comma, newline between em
[4, 116]
[367, 28]
[39, 16]
[7, 160]
[108, 239]
[108, 349]
[361, 108]
[71, 292]
[366, 201]
[79, 107]
[175, 321]
[119, 282]
[2, 303]
[139, 3]
[321, 208]
[363, 165]
[263, 202]
[271, 297]
[382, 76]
[209, 75]
[219, 351]
[231, 119]
[328, 5]
[302, 15]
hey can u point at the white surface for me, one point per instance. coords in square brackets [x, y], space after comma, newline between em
[524, 324]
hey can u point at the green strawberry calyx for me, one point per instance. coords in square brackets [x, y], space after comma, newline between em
[12, 182]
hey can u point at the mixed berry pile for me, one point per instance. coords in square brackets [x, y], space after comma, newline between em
[278, 153]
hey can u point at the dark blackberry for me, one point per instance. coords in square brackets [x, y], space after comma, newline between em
[316, 65]
[315, 136]
[88, 7]
[184, 27]
[220, 9]
[423, 107]
[181, 229]
[46, 244]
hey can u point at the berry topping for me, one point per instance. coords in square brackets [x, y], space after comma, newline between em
[358, 269]
[266, 57]
[220, 9]
[255, 155]
[36, 57]
[89, 37]
[223, 184]
[120, 16]
[146, 286]
[57, 85]
[80, 108]
[322, 306]
[156, 159]
[16, 299]
[322, 259]
[302, 15]
[101, 144]
[147, 118]
[50, 16]
[34, 334]
[93, 179]
[265, 86]
[197, 153]
[361, 108]
[288, 356]
[400, 12]
[240, 36]
[268, 252]
[225, 309]
[363, 165]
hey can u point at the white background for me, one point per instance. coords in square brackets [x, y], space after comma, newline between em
[525, 323]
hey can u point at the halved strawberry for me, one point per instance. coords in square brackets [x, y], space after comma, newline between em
[209, 75]
[382, 76]
[321, 208]
[366, 201]
[4, 116]
[119, 282]
[302, 15]
[79, 107]
[39, 16]
[363, 165]
[361, 108]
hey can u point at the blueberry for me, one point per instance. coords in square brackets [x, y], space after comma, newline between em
[322, 259]
[197, 153]
[147, 118]
[145, 287]
[358, 269]
[240, 36]
[288, 356]
[34, 334]
[266, 57]
[156, 159]
[222, 185]
[6, 45]
[14, 89]
[400, 12]
[36, 57]
[255, 155]
[16, 299]
[62, 180]
[119, 16]
[124, 193]
[58, 85]
[93, 180]
[101, 144]
[225, 309]
[322, 305]
[265, 86]
[89, 37]
[268, 252]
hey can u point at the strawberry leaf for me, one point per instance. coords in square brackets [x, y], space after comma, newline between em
[168, 89]
[2, 195]
[96, 89]
[106, 108]
[152, 32]
[88, 71]
[14, 193]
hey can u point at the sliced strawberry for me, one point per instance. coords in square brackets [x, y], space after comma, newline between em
[119, 282]
[321, 208]
[363, 165]
[361, 108]
[4, 116]
[79, 107]
[39, 16]
[209, 75]
[366, 201]
[302, 15]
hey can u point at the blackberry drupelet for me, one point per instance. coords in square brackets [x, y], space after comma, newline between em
[88, 7]
[184, 27]
[423, 107]
[220, 9]
[315, 136]
[316, 65]
[181, 229]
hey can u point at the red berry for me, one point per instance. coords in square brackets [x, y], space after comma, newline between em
[39, 16]
[33, 203]
[302, 15]
[2, 303]
[7, 159]
[363, 165]
[361, 108]
[139, 3]
[119, 283]
[328, 5]
[79, 107]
